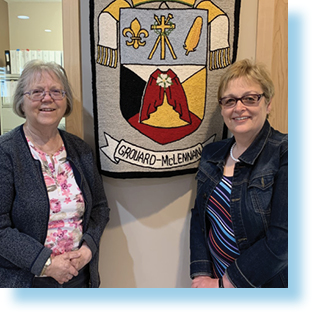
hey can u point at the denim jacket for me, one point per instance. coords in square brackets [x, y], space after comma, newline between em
[259, 210]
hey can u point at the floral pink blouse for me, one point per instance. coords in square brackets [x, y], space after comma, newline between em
[66, 201]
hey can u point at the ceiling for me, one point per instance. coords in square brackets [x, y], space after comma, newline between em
[11, 1]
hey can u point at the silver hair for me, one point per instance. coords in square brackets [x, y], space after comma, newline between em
[31, 69]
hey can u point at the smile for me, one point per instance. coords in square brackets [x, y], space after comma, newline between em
[46, 109]
[241, 118]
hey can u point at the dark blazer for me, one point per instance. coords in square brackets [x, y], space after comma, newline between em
[24, 208]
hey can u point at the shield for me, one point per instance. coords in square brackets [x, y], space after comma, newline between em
[163, 71]
[156, 65]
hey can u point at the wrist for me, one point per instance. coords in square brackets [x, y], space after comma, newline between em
[227, 282]
[221, 283]
[86, 252]
[47, 264]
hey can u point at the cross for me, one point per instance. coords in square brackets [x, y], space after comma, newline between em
[163, 26]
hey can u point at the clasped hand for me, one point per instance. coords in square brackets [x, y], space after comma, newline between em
[66, 266]
[204, 282]
[207, 282]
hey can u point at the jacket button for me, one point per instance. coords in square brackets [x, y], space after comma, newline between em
[204, 196]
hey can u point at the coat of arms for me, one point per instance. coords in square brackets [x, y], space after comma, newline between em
[157, 65]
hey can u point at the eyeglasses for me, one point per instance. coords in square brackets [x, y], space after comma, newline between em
[247, 100]
[38, 94]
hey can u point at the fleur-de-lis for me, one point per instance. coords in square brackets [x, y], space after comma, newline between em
[136, 32]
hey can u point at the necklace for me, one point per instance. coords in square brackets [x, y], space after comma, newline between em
[231, 153]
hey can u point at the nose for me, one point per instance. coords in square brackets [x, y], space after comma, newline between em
[239, 105]
[46, 93]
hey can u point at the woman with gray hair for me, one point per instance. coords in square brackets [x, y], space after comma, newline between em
[53, 209]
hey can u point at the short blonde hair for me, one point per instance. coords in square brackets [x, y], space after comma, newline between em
[31, 69]
[252, 72]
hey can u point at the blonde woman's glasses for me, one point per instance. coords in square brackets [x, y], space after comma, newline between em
[247, 100]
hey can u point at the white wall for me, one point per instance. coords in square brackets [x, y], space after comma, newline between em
[146, 243]
[4, 33]
[30, 34]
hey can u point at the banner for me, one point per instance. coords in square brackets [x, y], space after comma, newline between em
[156, 67]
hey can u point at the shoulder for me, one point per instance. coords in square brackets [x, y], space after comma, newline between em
[273, 154]
[278, 136]
[9, 135]
[74, 143]
[11, 139]
[216, 149]
[278, 140]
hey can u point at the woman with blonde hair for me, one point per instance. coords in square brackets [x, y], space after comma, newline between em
[239, 224]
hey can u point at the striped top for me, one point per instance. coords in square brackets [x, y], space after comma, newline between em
[221, 239]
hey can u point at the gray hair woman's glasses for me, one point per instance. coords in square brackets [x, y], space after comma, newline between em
[38, 94]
